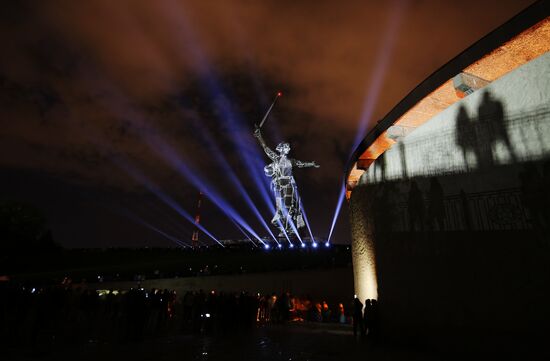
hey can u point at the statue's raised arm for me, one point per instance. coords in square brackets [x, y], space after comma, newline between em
[270, 153]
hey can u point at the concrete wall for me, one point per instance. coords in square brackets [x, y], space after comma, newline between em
[451, 226]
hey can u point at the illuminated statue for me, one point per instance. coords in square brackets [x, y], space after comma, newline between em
[287, 201]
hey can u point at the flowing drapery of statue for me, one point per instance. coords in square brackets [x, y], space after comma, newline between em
[288, 214]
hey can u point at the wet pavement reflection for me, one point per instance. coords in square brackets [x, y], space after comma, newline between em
[289, 342]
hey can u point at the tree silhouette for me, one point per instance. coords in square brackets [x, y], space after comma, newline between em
[23, 228]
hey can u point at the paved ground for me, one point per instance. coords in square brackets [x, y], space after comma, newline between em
[293, 342]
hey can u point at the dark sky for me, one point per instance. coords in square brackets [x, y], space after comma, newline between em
[97, 95]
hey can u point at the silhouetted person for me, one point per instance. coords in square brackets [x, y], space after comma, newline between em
[326, 312]
[416, 207]
[188, 300]
[341, 314]
[198, 311]
[317, 315]
[358, 325]
[271, 301]
[262, 309]
[368, 317]
[436, 207]
[283, 304]
[374, 319]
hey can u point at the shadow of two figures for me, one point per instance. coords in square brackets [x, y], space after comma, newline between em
[480, 135]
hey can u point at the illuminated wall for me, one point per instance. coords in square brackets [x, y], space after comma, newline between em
[450, 226]
[363, 247]
[510, 116]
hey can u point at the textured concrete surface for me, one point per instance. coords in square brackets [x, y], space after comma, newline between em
[363, 246]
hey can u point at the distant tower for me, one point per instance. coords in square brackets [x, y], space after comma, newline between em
[195, 236]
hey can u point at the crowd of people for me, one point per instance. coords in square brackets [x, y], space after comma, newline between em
[365, 321]
[62, 314]
[286, 307]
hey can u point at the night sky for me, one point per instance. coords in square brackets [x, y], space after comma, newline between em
[104, 105]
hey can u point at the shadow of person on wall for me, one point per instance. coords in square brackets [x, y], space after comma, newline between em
[436, 205]
[464, 133]
[403, 159]
[491, 113]
[381, 166]
[468, 224]
[384, 214]
[416, 208]
[482, 134]
[533, 196]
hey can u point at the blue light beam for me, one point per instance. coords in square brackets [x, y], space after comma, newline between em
[130, 215]
[337, 211]
[155, 189]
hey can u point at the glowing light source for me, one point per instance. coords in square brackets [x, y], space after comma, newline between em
[303, 245]
[327, 244]
[266, 246]
[280, 245]
[279, 94]
[314, 244]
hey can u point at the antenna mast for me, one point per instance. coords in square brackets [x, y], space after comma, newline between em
[195, 236]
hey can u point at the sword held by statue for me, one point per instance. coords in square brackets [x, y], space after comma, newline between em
[279, 94]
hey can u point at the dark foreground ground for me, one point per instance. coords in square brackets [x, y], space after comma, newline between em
[291, 342]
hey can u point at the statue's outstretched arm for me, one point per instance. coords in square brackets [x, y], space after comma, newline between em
[300, 164]
[270, 153]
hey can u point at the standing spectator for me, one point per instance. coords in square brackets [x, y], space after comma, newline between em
[326, 312]
[357, 317]
[341, 313]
